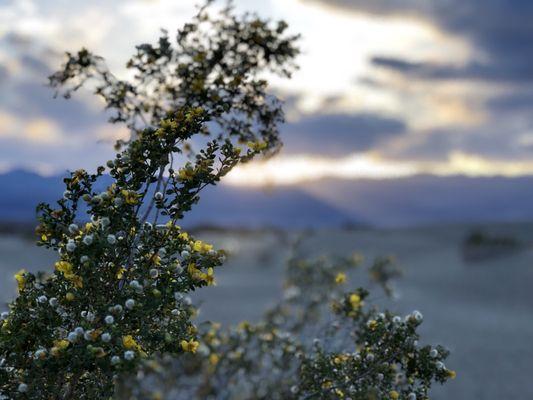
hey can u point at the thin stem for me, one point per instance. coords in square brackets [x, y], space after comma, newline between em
[152, 201]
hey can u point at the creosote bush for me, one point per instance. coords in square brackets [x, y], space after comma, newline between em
[321, 341]
[117, 298]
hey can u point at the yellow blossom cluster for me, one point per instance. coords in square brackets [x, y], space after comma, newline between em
[190, 346]
[66, 268]
[201, 247]
[196, 274]
[129, 343]
[340, 278]
[130, 197]
[21, 278]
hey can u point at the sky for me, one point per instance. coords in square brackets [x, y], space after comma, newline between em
[385, 89]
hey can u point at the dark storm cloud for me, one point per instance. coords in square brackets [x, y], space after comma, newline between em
[502, 30]
[339, 134]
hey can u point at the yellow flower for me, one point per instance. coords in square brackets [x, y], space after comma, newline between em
[186, 174]
[209, 277]
[257, 146]
[157, 396]
[327, 384]
[76, 280]
[339, 359]
[452, 374]
[394, 395]
[120, 272]
[5, 324]
[130, 197]
[70, 296]
[155, 259]
[66, 269]
[192, 270]
[61, 344]
[94, 334]
[20, 277]
[189, 346]
[213, 359]
[243, 325]
[340, 278]
[201, 247]
[129, 342]
[372, 324]
[355, 301]
[64, 266]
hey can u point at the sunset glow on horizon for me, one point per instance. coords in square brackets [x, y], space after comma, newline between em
[280, 171]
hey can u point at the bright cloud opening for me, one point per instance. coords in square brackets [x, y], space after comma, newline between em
[298, 169]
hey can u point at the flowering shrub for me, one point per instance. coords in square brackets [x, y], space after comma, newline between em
[117, 293]
[319, 342]
[117, 297]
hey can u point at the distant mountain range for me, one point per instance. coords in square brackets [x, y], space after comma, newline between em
[330, 203]
[226, 206]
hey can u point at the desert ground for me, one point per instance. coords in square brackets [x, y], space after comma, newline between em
[482, 311]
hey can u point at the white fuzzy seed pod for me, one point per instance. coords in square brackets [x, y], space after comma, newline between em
[130, 303]
[88, 240]
[73, 228]
[71, 246]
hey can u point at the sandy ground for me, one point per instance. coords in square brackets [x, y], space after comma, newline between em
[481, 311]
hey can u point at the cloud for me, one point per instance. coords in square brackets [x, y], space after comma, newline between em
[497, 142]
[3, 74]
[472, 70]
[296, 170]
[36, 130]
[512, 102]
[27, 94]
[339, 134]
[501, 33]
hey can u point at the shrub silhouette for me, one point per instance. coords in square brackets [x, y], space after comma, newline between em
[118, 294]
